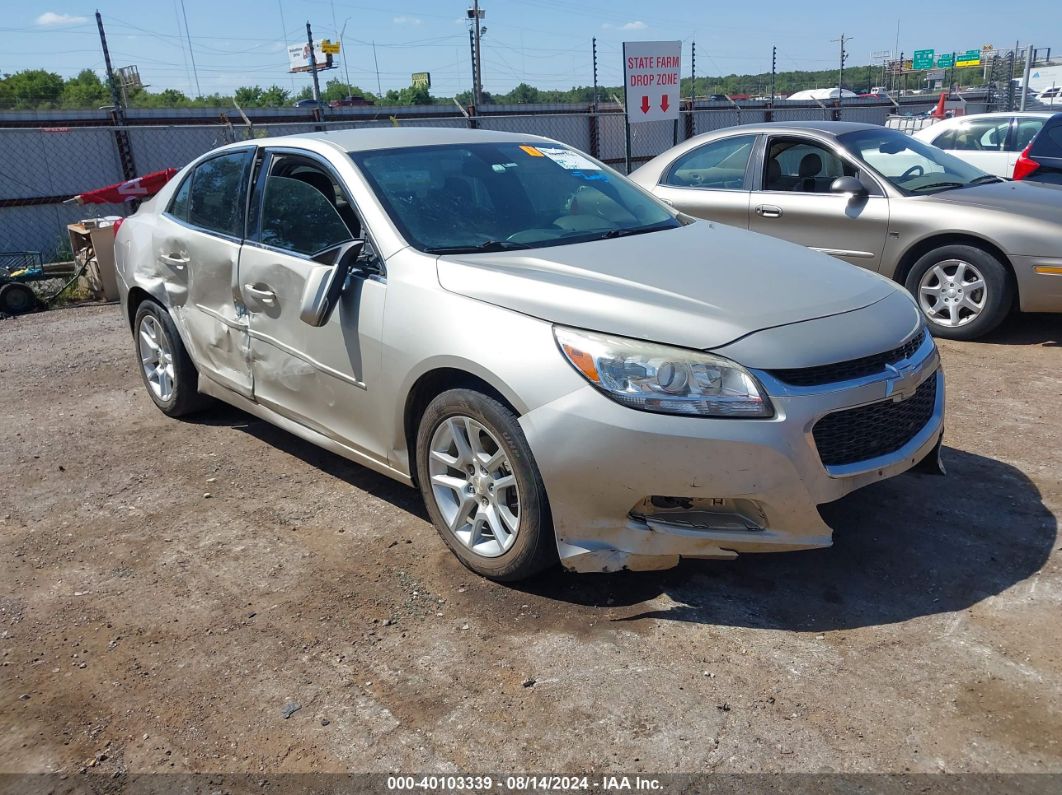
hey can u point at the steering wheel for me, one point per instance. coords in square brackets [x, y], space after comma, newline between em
[911, 172]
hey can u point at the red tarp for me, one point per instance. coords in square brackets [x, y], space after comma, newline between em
[139, 188]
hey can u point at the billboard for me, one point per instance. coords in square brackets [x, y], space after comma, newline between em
[299, 57]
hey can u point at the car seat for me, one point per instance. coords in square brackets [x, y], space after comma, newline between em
[810, 166]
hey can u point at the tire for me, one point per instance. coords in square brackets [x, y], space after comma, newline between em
[180, 396]
[17, 299]
[943, 283]
[467, 511]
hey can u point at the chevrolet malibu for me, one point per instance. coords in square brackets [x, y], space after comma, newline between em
[566, 367]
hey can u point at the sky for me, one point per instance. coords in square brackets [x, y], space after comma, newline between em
[546, 43]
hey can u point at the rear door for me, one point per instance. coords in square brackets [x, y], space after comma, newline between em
[197, 247]
[981, 142]
[793, 201]
[712, 181]
[321, 377]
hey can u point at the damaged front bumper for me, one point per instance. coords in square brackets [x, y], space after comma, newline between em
[639, 491]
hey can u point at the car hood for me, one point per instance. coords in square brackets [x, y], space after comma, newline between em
[698, 286]
[1026, 199]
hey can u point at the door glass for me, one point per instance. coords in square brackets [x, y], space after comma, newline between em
[298, 217]
[803, 167]
[1027, 129]
[218, 194]
[981, 135]
[720, 165]
[179, 204]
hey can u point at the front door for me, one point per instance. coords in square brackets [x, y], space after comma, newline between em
[318, 376]
[711, 181]
[197, 248]
[795, 203]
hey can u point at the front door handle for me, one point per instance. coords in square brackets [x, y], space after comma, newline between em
[769, 211]
[263, 294]
[174, 260]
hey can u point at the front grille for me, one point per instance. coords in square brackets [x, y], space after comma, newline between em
[859, 434]
[854, 368]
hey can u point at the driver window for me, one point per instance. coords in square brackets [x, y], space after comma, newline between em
[803, 167]
[299, 217]
[720, 165]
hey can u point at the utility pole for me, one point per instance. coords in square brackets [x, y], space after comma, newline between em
[121, 137]
[593, 49]
[472, 49]
[840, 71]
[477, 91]
[1028, 71]
[774, 73]
[313, 67]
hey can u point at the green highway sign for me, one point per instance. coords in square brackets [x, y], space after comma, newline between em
[946, 60]
[923, 59]
[968, 58]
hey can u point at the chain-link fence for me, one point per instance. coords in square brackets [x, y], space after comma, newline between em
[41, 166]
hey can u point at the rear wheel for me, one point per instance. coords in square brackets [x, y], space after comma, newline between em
[963, 291]
[482, 487]
[169, 375]
[17, 299]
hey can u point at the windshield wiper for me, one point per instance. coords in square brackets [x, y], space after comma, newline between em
[485, 246]
[940, 185]
[983, 180]
[638, 230]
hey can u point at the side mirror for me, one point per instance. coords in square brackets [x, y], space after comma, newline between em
[325, 283]
[848, 185]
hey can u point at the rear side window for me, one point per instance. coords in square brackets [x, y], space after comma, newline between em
[1025, 132]
[218, 194]
[719, 165]
[179, 204]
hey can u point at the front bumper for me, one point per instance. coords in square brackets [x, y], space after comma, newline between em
[599, 460]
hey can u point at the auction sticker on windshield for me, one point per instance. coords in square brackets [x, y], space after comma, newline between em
[569, 159]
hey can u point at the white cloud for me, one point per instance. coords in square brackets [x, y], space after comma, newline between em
[635, 25]
[407, 21]
[50, 19]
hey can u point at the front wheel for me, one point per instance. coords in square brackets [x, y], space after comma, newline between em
[963, 291]
[482, 487]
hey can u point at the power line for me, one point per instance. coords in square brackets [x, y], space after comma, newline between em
[198, 90]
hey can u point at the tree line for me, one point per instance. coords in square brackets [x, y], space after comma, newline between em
[38, 89]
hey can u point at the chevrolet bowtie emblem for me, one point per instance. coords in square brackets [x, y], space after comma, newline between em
[892, 375]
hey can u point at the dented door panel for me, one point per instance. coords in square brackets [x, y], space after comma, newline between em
[322, 377]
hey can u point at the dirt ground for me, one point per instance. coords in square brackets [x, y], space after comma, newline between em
[217, 595]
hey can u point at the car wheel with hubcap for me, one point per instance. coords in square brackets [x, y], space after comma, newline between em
[963, 291]
[169, 375]
[482, 487]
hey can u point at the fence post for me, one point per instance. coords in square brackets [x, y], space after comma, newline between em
[595, 133]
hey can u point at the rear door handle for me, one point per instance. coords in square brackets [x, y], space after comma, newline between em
[263, 294]
[769, 211]
[174, 260]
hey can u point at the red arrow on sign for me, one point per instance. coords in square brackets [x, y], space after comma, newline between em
[663, 103]
[645, 104]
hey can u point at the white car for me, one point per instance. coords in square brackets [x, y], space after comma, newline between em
[990, 141]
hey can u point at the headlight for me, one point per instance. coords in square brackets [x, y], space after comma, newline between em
[663, 379]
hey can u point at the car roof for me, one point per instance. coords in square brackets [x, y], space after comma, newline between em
[828, 127]
[398, 137]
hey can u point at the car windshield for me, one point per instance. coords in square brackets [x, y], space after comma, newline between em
[462, 198]
[911, 165]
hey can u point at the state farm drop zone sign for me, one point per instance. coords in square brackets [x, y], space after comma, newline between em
[651, 71]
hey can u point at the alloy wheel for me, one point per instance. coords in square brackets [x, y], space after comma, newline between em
[474, 487]
[156, 357]
[952, 293]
